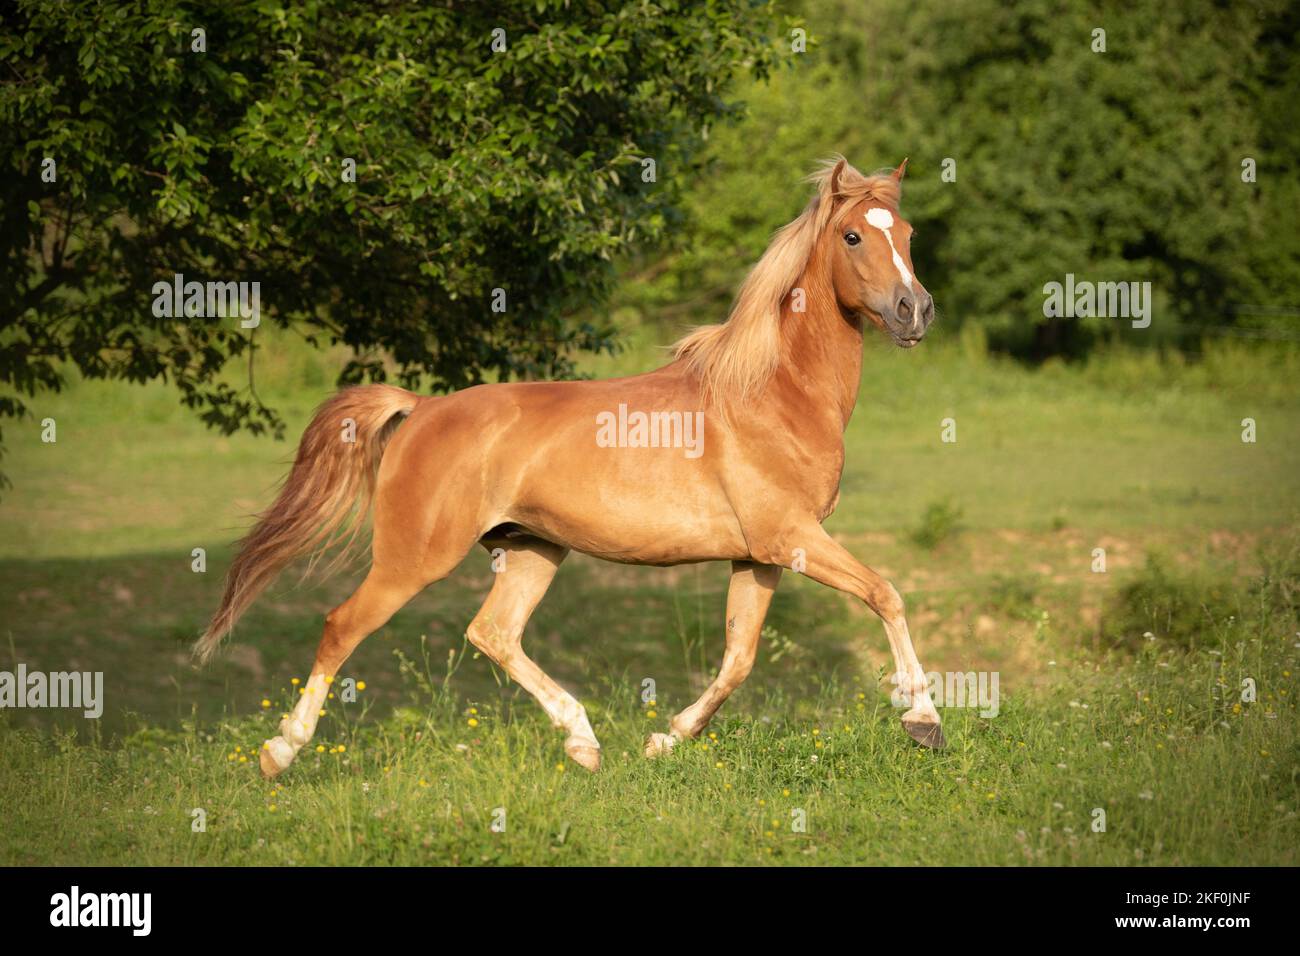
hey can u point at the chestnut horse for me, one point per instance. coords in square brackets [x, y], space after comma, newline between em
[538, 469]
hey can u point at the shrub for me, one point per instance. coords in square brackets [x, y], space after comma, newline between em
[1178, 606]
[940, 521]
[1014, 596]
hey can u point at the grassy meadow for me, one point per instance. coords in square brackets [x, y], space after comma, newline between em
[1121, 692]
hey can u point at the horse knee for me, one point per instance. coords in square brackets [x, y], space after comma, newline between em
[887, 602]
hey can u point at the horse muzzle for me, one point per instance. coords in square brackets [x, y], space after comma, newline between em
[912, 314]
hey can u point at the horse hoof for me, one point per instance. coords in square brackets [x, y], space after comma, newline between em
[657, 744]
[269, 769]
[583, 753]
[925, 733]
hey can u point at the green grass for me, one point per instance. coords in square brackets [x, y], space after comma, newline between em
[1131, 453]
[1154, 743]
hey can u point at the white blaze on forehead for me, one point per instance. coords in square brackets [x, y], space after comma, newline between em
[883, 220]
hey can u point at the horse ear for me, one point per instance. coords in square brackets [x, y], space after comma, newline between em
[898, 173]
[837, 173]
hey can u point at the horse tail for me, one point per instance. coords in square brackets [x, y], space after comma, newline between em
[322, 503]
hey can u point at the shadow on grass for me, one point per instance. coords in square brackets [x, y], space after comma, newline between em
[601, 629]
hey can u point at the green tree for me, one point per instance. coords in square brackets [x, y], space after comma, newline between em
[497, 146]
[1122, 165]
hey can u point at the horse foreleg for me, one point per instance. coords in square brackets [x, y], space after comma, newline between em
[748, 598]
[829, 563]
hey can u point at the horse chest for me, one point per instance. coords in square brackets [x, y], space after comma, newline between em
[817, 470]
[829, 491]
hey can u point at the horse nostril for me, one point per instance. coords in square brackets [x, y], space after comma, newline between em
[904, 308]
[927, 310]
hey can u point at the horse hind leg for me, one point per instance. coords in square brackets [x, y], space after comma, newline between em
[378, 598]
[395, 577]
[523, 574]
[748, 598]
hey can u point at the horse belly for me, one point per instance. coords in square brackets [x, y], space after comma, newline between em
[633, 512]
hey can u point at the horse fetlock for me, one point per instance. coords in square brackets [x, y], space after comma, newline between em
[681, 729]
[919, 699]
[295, 731]
[913, 689]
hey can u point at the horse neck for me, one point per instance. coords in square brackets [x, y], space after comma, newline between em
[821, 350]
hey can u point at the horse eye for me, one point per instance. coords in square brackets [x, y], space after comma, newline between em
[852, 238]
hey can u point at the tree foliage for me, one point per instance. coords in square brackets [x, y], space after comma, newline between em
[1123, 165]
[476, 169]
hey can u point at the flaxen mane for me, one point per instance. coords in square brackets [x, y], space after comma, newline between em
[734, 359]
